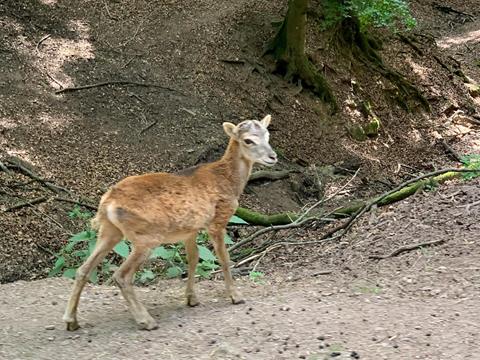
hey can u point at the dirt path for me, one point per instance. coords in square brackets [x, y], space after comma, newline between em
[421, 305]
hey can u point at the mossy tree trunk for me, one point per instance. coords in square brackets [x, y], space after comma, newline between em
[360, 46]
[288, 49]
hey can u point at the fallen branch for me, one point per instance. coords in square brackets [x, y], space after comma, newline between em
[406, 189]
[55, 188]
[113, 82]
[4, 168]
[37, 48]
[294, 219]
[148, 127]
[269, 175]
[256, 218]
[26, 203]
[449, 150]
[88, 206]
[407, 248]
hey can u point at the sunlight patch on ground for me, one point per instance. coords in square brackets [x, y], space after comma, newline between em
[54, 122]
[470, 37]
[49, 2]
[421, 71]
[55, 52]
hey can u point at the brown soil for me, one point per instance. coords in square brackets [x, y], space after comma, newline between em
[422, 304]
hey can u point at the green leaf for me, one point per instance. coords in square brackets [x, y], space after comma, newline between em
[210, 265]
[174, 271]
[205, 253]
[237, 220]
[203, 273]
[122, 249]
[59, 264]
[227, 240]
[94, 276]
[79, 237]
[91, 244]
[70, 273]
[147, 275]
[161, 252]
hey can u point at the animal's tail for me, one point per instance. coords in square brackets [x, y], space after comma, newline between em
[101, 215]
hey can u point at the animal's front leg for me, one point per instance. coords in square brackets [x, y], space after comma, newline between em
[217, 236]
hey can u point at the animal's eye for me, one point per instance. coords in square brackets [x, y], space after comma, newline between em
[248, 142]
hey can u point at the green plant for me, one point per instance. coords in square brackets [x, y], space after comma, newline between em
[78, 213]
[256, 277]
[393, 14]
[471, 161]
[80, 246]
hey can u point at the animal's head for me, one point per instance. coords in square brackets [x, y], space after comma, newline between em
[252, 137]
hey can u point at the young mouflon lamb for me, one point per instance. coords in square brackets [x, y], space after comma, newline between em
[163, 208]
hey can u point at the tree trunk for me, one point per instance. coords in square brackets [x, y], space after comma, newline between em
[288, 49]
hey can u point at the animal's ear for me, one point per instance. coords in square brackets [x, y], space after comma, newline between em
[230, 129]
[266, 120]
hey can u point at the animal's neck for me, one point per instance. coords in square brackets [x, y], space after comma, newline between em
[237, 168]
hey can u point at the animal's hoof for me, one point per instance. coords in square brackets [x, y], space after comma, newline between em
[147, 324]
[72, 326]
[192, 301]
[237, 299]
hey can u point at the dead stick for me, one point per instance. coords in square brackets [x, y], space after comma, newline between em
[26, 203]
[55, 188]
[88, 206]
[41, 41]
[367, 206]
[148, 127]
[113, 82]
[4, 168]
[407, 248]
[450, 151]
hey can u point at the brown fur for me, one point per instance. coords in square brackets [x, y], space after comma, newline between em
[161, 208]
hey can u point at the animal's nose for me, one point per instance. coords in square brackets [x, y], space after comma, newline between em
[273, 156]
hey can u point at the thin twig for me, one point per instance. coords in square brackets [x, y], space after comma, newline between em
[407, 248]
[77, 202]
[318, 203]
[114, 82]
[367, 206]
[450, 151]
[302, 219]
[108, 11]
[148, 127]
[26, 203]
[4, 168]
[55, 188]
[37, 48]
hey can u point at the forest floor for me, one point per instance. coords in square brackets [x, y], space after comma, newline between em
[422, 304]
[206, 56]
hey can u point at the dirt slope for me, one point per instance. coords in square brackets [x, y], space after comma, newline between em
[423, 304]
[89, 139]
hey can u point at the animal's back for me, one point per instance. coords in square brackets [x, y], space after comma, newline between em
[165, 201]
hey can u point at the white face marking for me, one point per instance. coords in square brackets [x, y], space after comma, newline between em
[254, 138]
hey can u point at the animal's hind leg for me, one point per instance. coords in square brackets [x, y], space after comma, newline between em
[108, 236]
[192, 258]
[124, 279]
